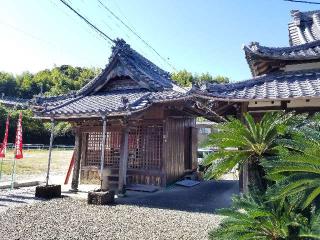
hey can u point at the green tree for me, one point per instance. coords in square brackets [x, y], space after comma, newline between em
[208, 78]
[245, 142]
[8, 84]
[185, 78]
[56, 81]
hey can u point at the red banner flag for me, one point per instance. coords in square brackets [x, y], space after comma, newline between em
[18, 143]
[5, 139]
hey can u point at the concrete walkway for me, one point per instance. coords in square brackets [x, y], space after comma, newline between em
[205, 197]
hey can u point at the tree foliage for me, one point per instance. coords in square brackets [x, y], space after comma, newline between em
[296, 169]
[56, 81]
[59, 80]
[252, 217]
[185, 78]
[34, 130]
[288, 146]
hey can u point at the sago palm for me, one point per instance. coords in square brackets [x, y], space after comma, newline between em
[250, 217]
[297, 170]
[245, 142]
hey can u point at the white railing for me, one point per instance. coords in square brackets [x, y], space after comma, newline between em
[41, 146]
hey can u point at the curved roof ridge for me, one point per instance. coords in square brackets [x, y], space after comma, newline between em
[255, 46]
[298, 28]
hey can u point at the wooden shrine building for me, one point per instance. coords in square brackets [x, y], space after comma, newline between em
[142, 120]
[285, 78]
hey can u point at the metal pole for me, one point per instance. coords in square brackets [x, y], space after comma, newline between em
[103, 143]
[50, 150]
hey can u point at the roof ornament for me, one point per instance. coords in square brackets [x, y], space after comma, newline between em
[254, 46]
[125, 102]
[296, 14]
[120, 46]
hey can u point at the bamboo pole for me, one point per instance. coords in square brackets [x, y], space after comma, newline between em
[50, 150]
[103, 143]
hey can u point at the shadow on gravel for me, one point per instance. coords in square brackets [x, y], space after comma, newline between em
[11, 200]
[20, 197]
[206, 197]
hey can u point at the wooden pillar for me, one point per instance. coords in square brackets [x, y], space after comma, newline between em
[103, 144]
[50, 150]
[243, 174]
[77, 159]
[123, 164]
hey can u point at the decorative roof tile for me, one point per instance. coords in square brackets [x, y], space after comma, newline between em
[304, 28]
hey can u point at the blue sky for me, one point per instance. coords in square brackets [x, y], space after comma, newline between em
[200, 36]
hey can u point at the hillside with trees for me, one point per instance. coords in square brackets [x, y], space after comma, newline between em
[56, 81]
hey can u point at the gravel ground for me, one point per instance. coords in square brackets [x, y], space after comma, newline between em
[73, 219]
[16, 197]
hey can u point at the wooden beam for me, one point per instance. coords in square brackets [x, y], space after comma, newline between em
[222, 109]
[77, 158]
[50, 150]
[103, 144]
[124, 149]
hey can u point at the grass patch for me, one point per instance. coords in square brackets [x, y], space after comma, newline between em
[36, 162]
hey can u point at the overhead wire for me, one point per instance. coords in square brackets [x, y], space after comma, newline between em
[302, 1]
[136, 34]
[123, 29]
[88, 22]
[68, 15]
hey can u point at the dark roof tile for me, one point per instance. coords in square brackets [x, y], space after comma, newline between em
[272, 86]
[304, 28]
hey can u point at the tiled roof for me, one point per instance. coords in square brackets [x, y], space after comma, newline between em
[113, 103]
[151, 85]
[11, 102]
[301, 52]
[286, 85]
[304, 28]
[263, 59]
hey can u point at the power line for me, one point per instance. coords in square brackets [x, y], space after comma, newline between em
[88, 22]
[136, 34]
[301, 1]
[64, 11]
